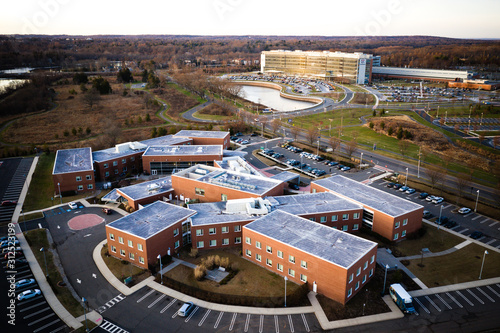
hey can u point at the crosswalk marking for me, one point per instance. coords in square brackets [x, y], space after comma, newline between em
[291, 323]
[486, 295]
[480, 300]
[493, 291]
[276, 324]
[247, 322]
[305, 322]
[232, 321]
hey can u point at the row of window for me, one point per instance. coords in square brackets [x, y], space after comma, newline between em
[335, 218]
[139, 245]
[365, 266]
[356, 287]
[396, 225]
[213, 231]
[79, 178]
[396, 235]
[106, 174]
[279, 253]
[131, 255]
[115, 163]
[213, 242]
[279, 267]
[89, 187]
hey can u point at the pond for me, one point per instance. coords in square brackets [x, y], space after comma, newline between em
[4, 83]
[271, 98]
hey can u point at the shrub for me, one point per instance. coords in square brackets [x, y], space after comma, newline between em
[217, 261]
[209, 262]
[199, 272]
[193, 253]
[371, 125]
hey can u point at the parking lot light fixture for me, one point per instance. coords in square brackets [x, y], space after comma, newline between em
[286, 279]
[60, 195]
[477, 199]
[360, 161]
[406, 179]
[161, 268]
[482, 264]
[45, 260]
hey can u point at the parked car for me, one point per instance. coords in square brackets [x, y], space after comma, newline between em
[107, 211]
[410, 191]
[9, 203]
[233, 138]
[9, 255]
[245, 142]
[73, 205]
[320, 173]
[340, 166]
[333, 163]
[441, 220]
[403, 188]
[476, 235]
[294, 186]
[430, 198]
[346, 168]
[450, 224]
[253, 134]
[24, 283]
[390, 185]
[186, 309]
[239, 134]
[464, 210]
[27, 294]
[307, 169]
[423, 195]
[437, 200]
[397, 186]
[427, 214]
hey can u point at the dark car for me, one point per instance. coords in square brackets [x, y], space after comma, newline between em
[107, 211]
[320, 173]
[450, 224]
[233, 138]
[239, 134]
[333, 163]
[9, 203]
[476, 235]
[340, 166]
[423, 195]
[294, 186]
[441, 220]
[427, 214]
[397, 186]
[253, 134]
[390, 185]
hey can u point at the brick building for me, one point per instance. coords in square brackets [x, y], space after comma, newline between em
[206, 137]
[386, 214]
[73, 171]
[333, 263]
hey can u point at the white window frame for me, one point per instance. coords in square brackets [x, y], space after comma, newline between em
[345, 217]
[371, 272]
[200, 244]
[349, 292]
[113, 249]
[312, 219]
[111, 236]
[405, 221]
[269, 249]
[364, 279]
[356, 287]
[291, 259]
[212, 242]
[141, 260]
[335, 218]
[279, 254]
[403, 233]
[248, 252]
[78, 178]
[177, 244]
[199, 232]
[358, 271]
[258, 257]
[372, 259]
[120, 239]
[212, 231]
[279, 267]
[130, 243]
[131, 256]
[248, 240]
[237, 228]
[269, 262]
[225, 230]
[303, 264]
[225, 241]
[291, 272]
[355, 216]
[355, 227]
[139, 247]
[237, 240]
[115, 163]
[351, 277]
[396, 225]
[322, 219]
[365, 266]
[88, 177]
[80, 187]
[303, 278]
[176, 232]
[258, 245]
[90, 186]
[345, 227]
[396, 236]
[122, 252]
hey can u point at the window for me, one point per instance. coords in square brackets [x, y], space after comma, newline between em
[396, 225]
[211, 231]
[176, 231]
[141, 260]
[116, 171]
[120, 240]
[248, 252]
[223, 197]
[314, 190]
[357, 286]
[303, 278]
[130, 243]
[199, 232]
[113, 249]
[335, 218]
[225, 241]
[115, 163]
[269, 249]
[200, 244]
[177, 244]
[237, 240]
[139, 247]
[303, 264]
[269, 262]
[371, 272]
[312, 219]
[365, 266]
[111, 236]
[345, 216]
[132, 158]
[323, 219]
[280, 254]
[124, 169]
[106, 174]
[291, 272]
[257, 245]
[355, 216]
[90, 186]
[80, 187]
[237, 228]
[124, 160]
[122, 252]
[131, 256]
[364, 278]
[258, 257]
[405, 221]
[358, 271]
[199, 191]
[403, 233]
[349, 292]
[213, 242]
[396, 236]
[105, 165]
[225, 230]
[351, 277]
[78, 178]
[355, 227]
[280, 267]
[345, 227]
[291, 259]
[372, 259]
[88, 177]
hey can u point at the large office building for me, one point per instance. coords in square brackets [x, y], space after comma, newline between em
[437, 75]
[346, 67]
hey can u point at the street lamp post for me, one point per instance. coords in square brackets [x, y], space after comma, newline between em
[286, 279]
[161, 268]
[45, 260]
[418, 167]
[85, 313]
[482, 264]
[360, 161]
[385, 276]
[440, 211]
[477, 199]
[60, 195]
[406, 179]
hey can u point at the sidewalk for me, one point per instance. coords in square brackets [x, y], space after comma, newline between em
[386, 258]
[437, 254]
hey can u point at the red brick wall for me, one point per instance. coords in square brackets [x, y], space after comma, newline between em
[350, 222]
[68, 181]
[146, 160]
[132, 166]
[218, 236]
[225, 142]
[145, 201]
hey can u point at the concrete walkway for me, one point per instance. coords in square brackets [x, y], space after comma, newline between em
[386, 258]
[437, 254]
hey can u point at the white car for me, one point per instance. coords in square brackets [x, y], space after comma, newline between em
[73, 205]
[437, 200]
[464, 210]
[27, 294]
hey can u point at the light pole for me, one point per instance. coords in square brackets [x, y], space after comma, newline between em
[477, 199]
[60, 195]
[161, 268]
[385, 276]
[440, 211]
[360, 161]
[286, 279]
[317, 150]
[85, 313]
[482, 264]
[406, 179]
[418, 167]
[45, 260]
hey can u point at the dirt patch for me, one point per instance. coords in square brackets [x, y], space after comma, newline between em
[216, 109]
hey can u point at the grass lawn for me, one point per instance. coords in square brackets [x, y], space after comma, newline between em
[123, 269]
[212, 116]
[251, 279]
[187, 93]
[339, 116]
[38, 239]
[460, 266]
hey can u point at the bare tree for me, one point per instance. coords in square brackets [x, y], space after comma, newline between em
[275, 125]
[403, 147]
[351, 147]
[435, 175]
[91, 98]
[295, 132]
[312, 134]
[462, 184]
[447, 159]
[334, 144]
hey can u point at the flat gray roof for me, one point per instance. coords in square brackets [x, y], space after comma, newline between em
[166, 140]
[213, 213]
[330, 244]
[286, 176]
[113, 152]
[111, 196]
[147, 189]
[202, 134]
[183, 150]
[237, 163]
[366, 195]
[152, 219]
[73, 160]
[312, 203]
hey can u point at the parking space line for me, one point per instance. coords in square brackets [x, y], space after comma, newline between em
[32, 306]
[174, 315]
[470, 292]
[291, 323]
[493, 291]
[36, 313]
[156, 301]
[462, 231]
[192, 314]
[442, 300]
[484, 220]
[454, 300]
[433, 304]
[276, 325]
[218, 319]
[486, 295]
[57, 329]
[475, 218]
[143, 297]
[491, 241]
[169, 305]
[49, 324]
[204, 317]
[232, 321]
[247, 322]
[41, 319]
[481, 238]
[448, 206]
[422, 306]
[465, 298]
[496, 222]
[305, 322]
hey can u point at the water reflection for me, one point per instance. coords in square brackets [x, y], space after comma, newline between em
[271, 98]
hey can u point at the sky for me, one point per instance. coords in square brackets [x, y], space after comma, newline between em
[446, 18]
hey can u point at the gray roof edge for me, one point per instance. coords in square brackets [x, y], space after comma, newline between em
[375, 245]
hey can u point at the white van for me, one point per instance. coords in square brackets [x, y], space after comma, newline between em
[186, 309]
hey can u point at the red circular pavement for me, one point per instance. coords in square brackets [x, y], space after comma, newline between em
[84, 221]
